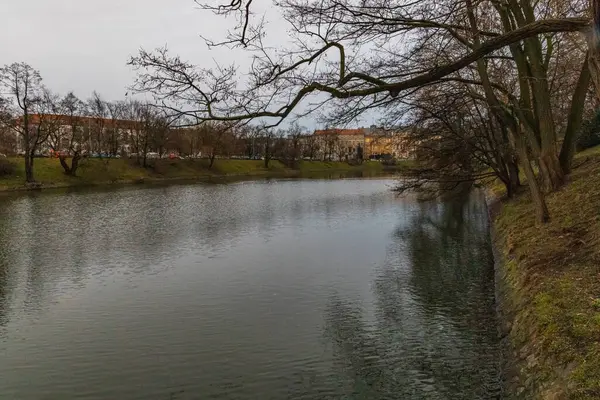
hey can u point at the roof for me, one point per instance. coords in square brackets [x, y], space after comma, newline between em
[67, 120]
[344, 132]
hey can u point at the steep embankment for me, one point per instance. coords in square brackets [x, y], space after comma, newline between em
[49, 173]
[551, 277]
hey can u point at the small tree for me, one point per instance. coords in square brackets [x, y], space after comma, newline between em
[8, 144]
[310, 146]
[217, 138]
[98, 110]
[71, 135]
[293, 146]
[24, 86]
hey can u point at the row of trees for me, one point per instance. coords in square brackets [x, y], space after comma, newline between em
[490, 85]
[34, 119]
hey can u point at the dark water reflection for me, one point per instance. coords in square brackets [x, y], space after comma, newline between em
[257, 290]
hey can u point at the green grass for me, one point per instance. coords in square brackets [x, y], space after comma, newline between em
[554, 271]
[318, 166]
[94, 171]
[100, 172]
[246, 167]
[367, 166]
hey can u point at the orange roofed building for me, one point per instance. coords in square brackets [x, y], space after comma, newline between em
[344, 144]
[340, 144]
[89, 132]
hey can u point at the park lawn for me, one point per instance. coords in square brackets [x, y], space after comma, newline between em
[367, 166]
[49, 172]
[245, 167]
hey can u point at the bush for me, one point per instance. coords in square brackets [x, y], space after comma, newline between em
[7, 168]
[590, 133]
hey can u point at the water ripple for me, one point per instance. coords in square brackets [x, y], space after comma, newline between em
[262, 290]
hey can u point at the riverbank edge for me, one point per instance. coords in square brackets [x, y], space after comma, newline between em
[512, 381]
[521, 375]
[205, 178]
[547, 286]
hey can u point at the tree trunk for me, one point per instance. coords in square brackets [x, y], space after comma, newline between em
[267, 152]
[513, 176]
[541, 209]
[575, 118]
[145, 158]
[63, 163]
[551, 172]
[213, 155]
[75, 163]
[550, 169]
[70, 170]
[594, 65]
[533, 79]
[29, 178]
[594, 47]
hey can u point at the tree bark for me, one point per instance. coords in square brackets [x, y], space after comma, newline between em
[63, 163]
[575, 118]
[551, 172]
[594, 47]
[75, 163]
[539, 124]
[29, 178]
[539, 201]
[72, 169]
[267, 152]
[513, 175]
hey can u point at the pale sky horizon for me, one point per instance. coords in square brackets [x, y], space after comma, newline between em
[82, 45]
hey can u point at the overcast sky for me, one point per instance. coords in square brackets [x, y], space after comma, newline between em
[83, 45]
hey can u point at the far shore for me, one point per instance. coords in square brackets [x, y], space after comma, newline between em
[117, 172]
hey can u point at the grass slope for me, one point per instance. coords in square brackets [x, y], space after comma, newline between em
[100, 172]
[554, 272]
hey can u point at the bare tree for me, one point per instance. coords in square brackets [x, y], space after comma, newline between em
[115, 126]
[161, 135]
[8, 143]
[70, 137]
[142, 121]
[374, 55]
[217, 138]
[280, 80]
[24, 86]
[310, 146]
[293, 144]
[99, 112]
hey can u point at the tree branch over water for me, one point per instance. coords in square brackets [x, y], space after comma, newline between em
[275, 90]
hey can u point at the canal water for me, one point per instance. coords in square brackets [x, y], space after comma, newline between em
[299, 289]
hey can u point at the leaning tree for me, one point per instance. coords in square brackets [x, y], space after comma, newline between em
[355, 56]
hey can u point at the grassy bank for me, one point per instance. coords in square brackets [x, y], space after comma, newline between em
[553, 275]
[49, 172]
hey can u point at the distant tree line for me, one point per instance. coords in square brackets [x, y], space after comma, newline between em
[35, 121]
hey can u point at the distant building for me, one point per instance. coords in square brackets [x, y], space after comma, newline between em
[99, 135]
[340, 144]
[381, 143]
[366, 143]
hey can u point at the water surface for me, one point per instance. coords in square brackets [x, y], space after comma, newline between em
[292, 289]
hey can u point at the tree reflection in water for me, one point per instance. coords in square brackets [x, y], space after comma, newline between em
[433, 330]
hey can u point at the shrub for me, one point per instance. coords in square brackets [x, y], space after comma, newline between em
[6, 167]
[590, 133]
